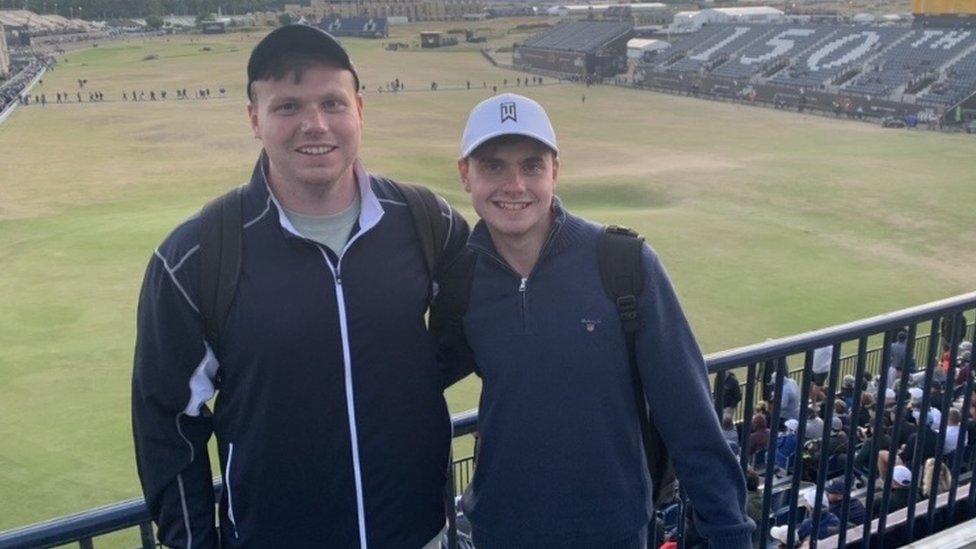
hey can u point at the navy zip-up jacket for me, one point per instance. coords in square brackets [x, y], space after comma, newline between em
[331, 425]
[560, 461]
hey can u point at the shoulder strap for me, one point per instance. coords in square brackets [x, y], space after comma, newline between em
[220, 260]
[620, 253]
[431, 226]
[620, 267]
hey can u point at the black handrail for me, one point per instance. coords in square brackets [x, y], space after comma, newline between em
[83, 526]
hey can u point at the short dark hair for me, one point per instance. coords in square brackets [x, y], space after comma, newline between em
[490, 146]
[294, 64]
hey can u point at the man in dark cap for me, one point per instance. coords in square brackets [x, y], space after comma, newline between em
[835, 491]
[331, 425]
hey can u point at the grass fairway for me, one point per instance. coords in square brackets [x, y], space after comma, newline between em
[771, 223]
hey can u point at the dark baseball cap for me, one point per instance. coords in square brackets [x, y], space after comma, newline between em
[296, 38]
[835, 486]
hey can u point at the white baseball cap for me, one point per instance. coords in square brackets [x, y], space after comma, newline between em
[902, 475]
[507, 114]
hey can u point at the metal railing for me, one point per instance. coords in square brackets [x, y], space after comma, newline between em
[783, 475]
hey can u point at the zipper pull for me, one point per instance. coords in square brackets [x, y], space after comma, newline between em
[338, 278]
[522, 286]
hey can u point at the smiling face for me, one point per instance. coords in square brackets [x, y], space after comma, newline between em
[512, 181]
[310, 123]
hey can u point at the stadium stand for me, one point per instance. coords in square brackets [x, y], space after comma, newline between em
[763, 56]
[718, 50]
[864, 70]
[923, 53]
[578, 48]
[958, 82]
[680, 48]
[845, 49]
[13, 89]
[360, 27]
[581, 36]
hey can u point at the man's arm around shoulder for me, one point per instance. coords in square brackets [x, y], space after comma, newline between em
[453, 277]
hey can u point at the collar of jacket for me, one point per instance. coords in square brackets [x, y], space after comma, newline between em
[258, 190]
[566, 230]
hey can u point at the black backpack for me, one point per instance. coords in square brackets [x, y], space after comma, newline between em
[620, 269]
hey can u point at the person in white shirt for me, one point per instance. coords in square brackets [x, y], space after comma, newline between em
[821, 364]
[952, 432]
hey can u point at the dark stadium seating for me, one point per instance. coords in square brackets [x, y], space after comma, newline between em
[959, 82]
[719, 48]
[844, 49]
[772, 49]
[581, 36]
[362, 27]
[923, 52]
[935, 66]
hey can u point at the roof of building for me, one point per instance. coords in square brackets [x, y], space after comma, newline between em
[582, 36]
[750, 10]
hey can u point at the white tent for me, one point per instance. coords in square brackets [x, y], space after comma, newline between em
[636, 47]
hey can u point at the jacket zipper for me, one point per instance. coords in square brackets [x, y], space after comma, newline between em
[350, 397]
[522, 294]
[523, 280]
[227, 484]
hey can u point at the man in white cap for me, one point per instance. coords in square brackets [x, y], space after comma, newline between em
[901, 484]
[829, 523]
[560, 462]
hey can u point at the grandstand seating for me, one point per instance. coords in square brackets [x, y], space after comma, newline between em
[719, 48]
[363, 27]
[845, 49]
[683, 45]
[959, 82]
[923, 52]
[581, 36]
[772, 48]
[937, 65]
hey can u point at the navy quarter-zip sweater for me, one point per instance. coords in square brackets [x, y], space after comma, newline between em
[560, 461]
[331, 425]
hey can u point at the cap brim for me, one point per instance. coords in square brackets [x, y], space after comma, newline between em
[481, 140]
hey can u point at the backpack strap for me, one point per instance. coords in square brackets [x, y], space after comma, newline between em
[220, 260]
[432, 228]
[620, 253]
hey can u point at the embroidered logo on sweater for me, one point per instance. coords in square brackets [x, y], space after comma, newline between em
[590, 325]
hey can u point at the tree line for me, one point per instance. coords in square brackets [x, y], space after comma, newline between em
[113, 9]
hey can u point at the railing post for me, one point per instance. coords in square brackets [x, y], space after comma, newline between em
[449, 492]
[747, 416]
[962, 441]
[931, 362]
[85, 543]
[895, 434]
[876, 432]
[947, 389]
[146, 535]
[828, 416]
[797, 458]
[771, 449]
[859, 386]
